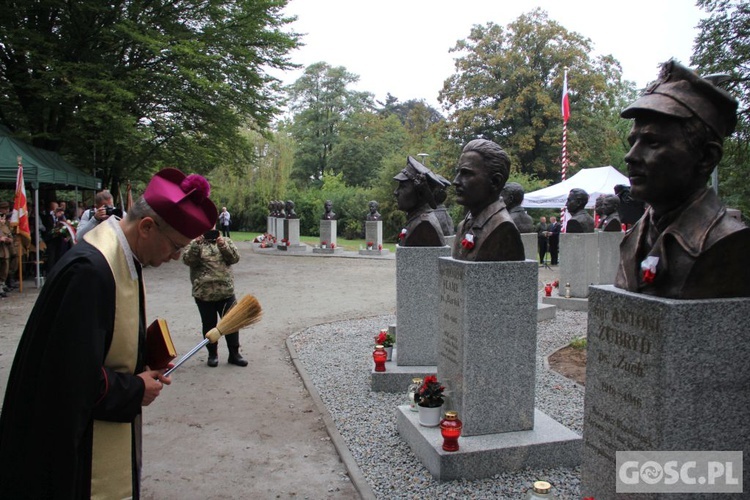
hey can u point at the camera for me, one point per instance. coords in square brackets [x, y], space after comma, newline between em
[109, 210]
[211, 235]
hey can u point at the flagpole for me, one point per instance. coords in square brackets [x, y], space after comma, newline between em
[564, 162]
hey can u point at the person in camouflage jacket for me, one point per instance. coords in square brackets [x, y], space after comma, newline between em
[210, 257]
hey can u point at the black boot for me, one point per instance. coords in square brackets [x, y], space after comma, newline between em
[213, 355]
[235, 358]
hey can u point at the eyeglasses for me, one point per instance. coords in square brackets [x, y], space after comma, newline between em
[175, 247]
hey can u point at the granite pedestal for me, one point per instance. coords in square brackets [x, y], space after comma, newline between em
[417, 301]
[270, 225]
[328, 230]
[279, 231]
[487, 361]
[530, 246]
[397, 378]
[291, 233]
[609, 256]
[663, 374]
[374, 235]
[579, 263]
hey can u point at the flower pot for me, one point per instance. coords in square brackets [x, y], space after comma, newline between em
[389, 352]
[430, 417]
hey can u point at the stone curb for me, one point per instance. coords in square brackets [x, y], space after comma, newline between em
[355, 474]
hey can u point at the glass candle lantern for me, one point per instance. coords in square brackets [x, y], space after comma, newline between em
[541, 490]
[450, 429]
[567, 290]
[413, 389]
[548, 290]
[379, 356]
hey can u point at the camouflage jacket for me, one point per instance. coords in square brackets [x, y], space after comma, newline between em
[210, 271]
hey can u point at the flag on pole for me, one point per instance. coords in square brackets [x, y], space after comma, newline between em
[565, 100]
[564, 216]
[20, 216]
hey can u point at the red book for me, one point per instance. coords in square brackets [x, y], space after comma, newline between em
[160, 350]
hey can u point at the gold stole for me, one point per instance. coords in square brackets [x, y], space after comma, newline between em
[112, 468]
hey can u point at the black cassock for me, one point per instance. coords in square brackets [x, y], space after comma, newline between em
[58, 384]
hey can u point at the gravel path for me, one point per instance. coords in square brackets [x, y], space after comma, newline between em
[336, 357]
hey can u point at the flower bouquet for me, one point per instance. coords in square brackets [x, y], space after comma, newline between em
[384, 338]
[430, 393]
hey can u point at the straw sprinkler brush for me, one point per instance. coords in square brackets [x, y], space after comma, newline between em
[244, 313]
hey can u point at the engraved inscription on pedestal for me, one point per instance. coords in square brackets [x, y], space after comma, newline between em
[451, 339]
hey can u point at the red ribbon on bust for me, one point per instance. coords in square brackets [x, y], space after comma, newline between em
[648, 269]
[468, 241]
[402, 234]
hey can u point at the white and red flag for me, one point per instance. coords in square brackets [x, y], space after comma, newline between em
[565, 100]
[20, 216]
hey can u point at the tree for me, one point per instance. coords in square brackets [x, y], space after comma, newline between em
[121, 87]
[723, 46]
[365, 140]
[508, 86]
[321, 101]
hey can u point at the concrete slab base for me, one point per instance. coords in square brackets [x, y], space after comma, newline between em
[571, 304]
[375, 252]
[327, 251]
[549, 444]
[292, 248]
[545, 312]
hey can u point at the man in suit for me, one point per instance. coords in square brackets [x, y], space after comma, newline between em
[554, 240]
[542, 232]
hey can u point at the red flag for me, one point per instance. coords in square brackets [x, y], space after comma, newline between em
[20, 216]
[565, 101]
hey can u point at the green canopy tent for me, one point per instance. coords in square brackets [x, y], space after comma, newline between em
[39, 167]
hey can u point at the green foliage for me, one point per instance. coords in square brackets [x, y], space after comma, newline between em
[320, 102]
[723, 46]
[129, 87]
[578, 343]
[508, 88]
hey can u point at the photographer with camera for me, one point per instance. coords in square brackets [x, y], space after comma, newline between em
[209, 257]
[105, 208]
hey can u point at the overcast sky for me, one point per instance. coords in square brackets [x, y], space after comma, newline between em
[401, 46]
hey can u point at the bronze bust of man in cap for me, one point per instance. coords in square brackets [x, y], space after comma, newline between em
[685, 246]
[441, 212]
[580, 220]
[512, 195]
[487, 233]
[414, 196]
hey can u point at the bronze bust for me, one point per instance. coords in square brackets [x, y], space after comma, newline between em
[512, 195]
[441, 212]
[290, 213]
[685, 246]
[328, 213]
[487, 233]
[609, 217]
[414, 196]
[373, 213]
[580, 221]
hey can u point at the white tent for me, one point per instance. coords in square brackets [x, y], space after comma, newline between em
[595, 181]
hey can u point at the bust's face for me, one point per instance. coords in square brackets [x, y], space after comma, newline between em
[406, 195]
[609, 205]
[373, 208]
[662, 169]
[328, 206]
[574, 203]
[473, 184]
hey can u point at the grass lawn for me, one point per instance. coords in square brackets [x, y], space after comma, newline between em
[349, 245]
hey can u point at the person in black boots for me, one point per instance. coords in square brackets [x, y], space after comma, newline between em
[210, 257]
